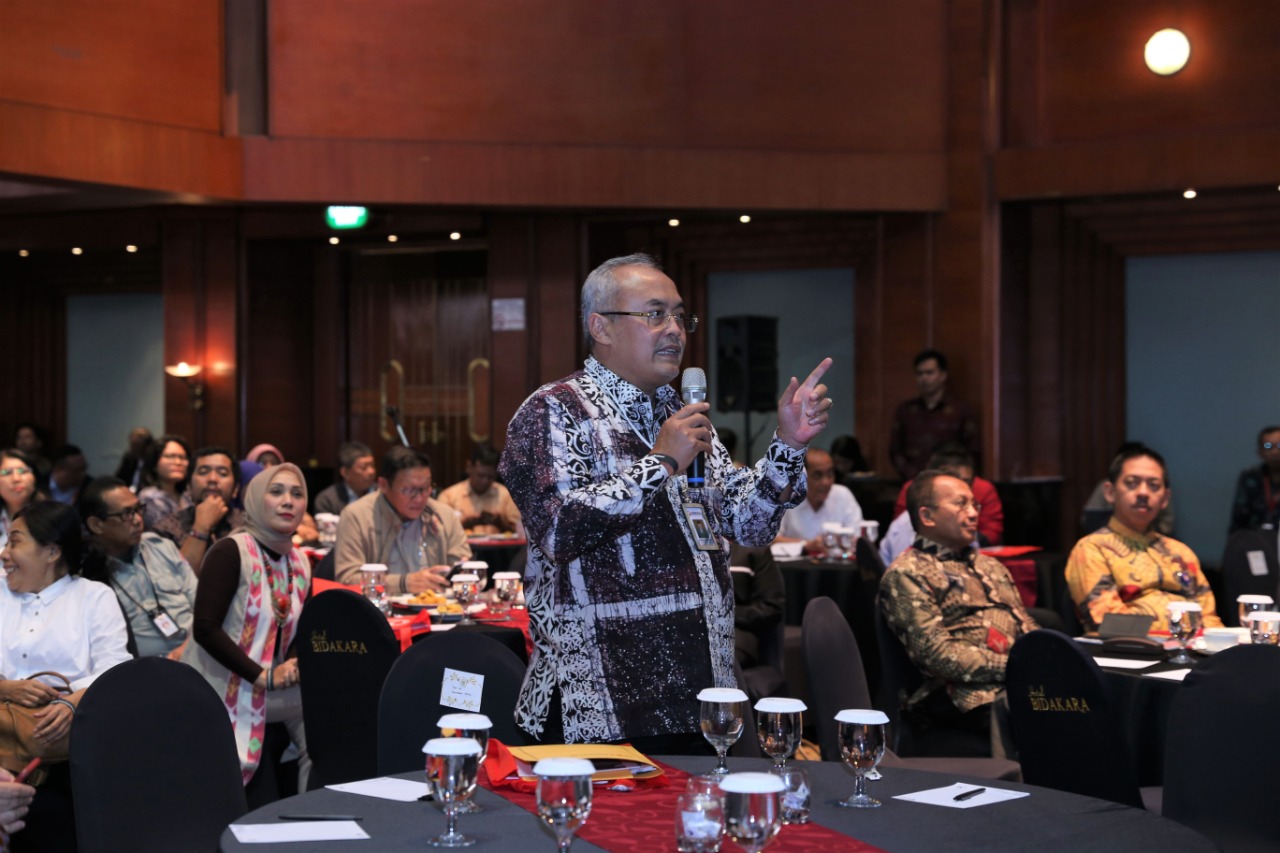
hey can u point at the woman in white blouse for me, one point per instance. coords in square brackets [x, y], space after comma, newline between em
[52, 620]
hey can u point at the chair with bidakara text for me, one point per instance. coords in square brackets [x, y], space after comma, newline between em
[410, 702]
[345, 650]
[154, 765]
[838, 681]
[1065, 725]
[1222, 744]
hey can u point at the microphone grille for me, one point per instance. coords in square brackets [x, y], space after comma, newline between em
[694, 377]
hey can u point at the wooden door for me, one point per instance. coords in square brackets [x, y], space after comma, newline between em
[418, 328]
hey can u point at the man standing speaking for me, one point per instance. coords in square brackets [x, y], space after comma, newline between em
[630, 601]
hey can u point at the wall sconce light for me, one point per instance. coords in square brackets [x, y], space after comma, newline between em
[1167, 52]
[187, 373]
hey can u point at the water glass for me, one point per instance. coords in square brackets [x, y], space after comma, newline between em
[452, 764]
[476, 727]
[564, 796]
[752, 811]
[860, 735]
[1184, 622]
[723, 713]
[1251, 604]
[699, 822]
[779, 727]
[796, 796]
[831, 540]
[373, 585]
[479, 568]
[465, 589]
[506, 588]
[1264, 627]
[847, 538]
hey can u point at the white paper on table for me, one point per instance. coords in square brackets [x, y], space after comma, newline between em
[783, 550]
[1172, 675]
[385, 788]
[1125, 663]
[947, 796]
[298, 830]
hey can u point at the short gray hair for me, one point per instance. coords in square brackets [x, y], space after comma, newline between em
[601, 287]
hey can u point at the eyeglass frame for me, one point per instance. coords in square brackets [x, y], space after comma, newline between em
[20, 470]
[977, 506]
[689, 322]
[136, 511]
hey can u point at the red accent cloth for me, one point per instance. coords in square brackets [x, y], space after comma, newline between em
[1024, 575]
[408, 627]
[643, 820]
[519, 619]
[319, 585]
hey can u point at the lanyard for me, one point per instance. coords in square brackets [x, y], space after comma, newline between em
[142, 566]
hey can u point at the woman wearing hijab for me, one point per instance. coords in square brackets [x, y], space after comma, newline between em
[252, 588]
[266, 456]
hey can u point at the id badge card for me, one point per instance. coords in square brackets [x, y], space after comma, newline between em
[700, 529]
[165, 625]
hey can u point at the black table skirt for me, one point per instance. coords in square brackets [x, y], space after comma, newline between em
[1046, 821]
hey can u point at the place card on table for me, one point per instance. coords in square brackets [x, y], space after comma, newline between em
[1125, 663]
[385, 788]
[300, 830]
[461, 690]
[1172, 675]
[947, 796]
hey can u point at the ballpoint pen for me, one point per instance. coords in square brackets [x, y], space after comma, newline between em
[968, 795]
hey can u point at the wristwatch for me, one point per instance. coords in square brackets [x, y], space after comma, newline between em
[667, 460]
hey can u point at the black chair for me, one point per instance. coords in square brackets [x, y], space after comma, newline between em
[829, 643]
[1222, 743]
[345, 650]
[868, 556]
[511, 638]
[410, 702]
[154, 765]
[1064, 722]
[1238, 573]
[325, 568]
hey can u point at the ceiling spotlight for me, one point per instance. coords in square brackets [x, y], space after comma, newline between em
[391, 238]
[673, 222]
[77, 251]
[333, 241]
[455, 236]
[131, 248]
[1188, 193]
[1167, 52]
[22, 253]
[744, 219]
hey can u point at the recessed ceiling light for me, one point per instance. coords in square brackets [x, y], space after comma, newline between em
[22, 253]
[333, 241]
[131, 248]
[455, 236]
[1167, 52]
[744, 218]
[391, 238]
[1188, 193]
[673, 222]
[77, 251]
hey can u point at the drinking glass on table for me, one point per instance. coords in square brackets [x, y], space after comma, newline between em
[847, 538]
[1184, 622]
[1251, 604]
[699, 819]
[723, 713]
[831, 540]
[506, 587]
[860, 736]
[1264, 627]
[476, 727]
[452, 764]
[752, 810]
[779, 727]
[465, 589]
[373, 585]
[479, 568]
[564, 796]
[796, 796]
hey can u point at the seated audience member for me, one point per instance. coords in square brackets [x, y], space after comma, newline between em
[846, 454]
[483, 504]
[759, 598]
[52, 620]
[155, 586]
[958, 462]
[17, 487]
[69, 474]
[827, 502]
[265, 456]
[215, 482]
[165, 485]
[1127, 566]
[417, 538]
[955, 610]
[134, 461]
[1098, 500]
[357, 474]
[15, 798]
[1257, 502]
[249, 597]
[31, 440]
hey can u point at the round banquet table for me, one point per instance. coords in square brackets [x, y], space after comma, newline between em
[1045, 821]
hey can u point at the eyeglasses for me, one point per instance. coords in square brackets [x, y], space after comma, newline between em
[961, 505]
[131, 514]
[658, 319]
[174, 457]
[412, 492]
[9, 472]
[1270, 445]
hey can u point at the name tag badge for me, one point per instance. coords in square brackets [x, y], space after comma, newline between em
[699, 528]
[165, 625]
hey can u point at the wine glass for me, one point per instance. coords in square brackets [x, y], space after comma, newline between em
[831, 540]
[1184, 621]
[779, 726]
[564, 796]
[1264, 627]
[752, 812]
[373, 585]
[476, 727]
[506, 587]
[466, 587]
[479, 568]
[1251, 604]
[452, 764]
[860, 734]
[723, 712]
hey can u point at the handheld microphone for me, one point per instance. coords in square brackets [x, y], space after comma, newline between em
[394, 413]
[693, 389]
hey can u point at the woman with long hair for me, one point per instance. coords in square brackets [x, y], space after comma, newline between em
[165, 479]
[17, 487]
[52, 620]
[252, 587]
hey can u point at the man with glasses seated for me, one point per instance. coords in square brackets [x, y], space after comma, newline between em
[401, 526]
[215, 482]
[828, 502]
[154, 584]
[955, 610]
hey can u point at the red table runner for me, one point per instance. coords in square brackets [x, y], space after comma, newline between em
[643, 820]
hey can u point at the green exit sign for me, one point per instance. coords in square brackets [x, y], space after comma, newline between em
[342, 217]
